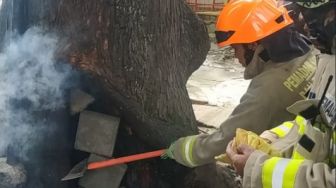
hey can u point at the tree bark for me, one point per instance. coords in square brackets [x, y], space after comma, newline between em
[142, 52]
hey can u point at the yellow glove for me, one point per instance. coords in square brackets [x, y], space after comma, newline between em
[251, 139]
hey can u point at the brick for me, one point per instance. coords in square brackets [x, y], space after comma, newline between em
[96, 133]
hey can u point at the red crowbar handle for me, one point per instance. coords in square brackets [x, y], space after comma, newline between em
[127, 159]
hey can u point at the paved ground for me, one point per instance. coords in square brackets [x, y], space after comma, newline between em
[217, 86]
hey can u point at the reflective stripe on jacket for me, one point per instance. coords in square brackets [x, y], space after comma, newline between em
[280, 172]
[304, 141]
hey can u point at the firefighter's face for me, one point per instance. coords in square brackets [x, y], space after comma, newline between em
[244, 52]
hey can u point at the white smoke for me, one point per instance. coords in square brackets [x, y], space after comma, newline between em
[29, 76]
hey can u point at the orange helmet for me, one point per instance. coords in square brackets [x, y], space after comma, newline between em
[246, 21]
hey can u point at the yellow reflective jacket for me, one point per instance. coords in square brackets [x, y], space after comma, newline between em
[308, 153]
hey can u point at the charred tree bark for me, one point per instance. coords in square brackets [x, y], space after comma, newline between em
[143, 53]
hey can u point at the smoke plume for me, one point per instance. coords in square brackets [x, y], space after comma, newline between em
[30, 82]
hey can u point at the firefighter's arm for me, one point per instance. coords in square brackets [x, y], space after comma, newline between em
[264, 171]
[201, 149]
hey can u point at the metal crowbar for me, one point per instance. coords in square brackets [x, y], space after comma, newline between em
[78, 170]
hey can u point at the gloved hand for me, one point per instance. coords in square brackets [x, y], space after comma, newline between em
[182, 151]
[169, 153]
[239, 157]
[251, 139]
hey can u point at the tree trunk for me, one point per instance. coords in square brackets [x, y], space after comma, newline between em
[142, 52]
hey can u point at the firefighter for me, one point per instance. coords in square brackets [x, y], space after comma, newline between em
[307, 145]
[280, 62]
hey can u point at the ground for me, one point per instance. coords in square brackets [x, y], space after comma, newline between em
[216, 87]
